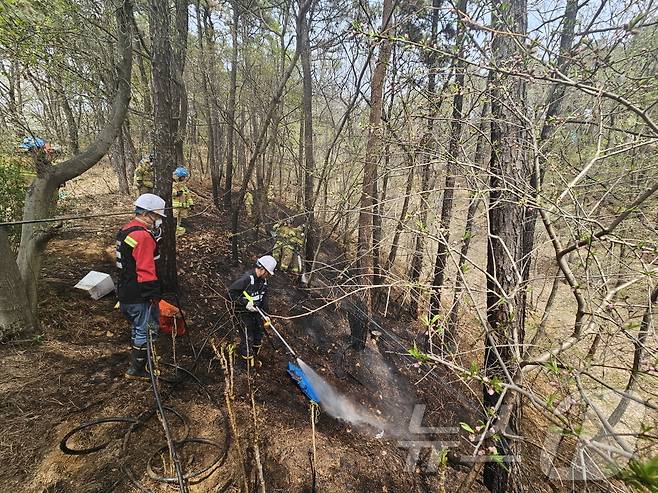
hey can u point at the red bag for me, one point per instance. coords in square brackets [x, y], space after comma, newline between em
[171, 319]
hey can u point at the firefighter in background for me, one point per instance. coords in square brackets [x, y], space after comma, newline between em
[288, 246]
[143, 176]
[249, 203]
[248, 294]
[42, 156]
[35, 146]
[138, 286]
[181, 198]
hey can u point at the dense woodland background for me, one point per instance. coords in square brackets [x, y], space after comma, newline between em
[486, 167]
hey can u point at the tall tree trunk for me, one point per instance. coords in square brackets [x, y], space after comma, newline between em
[554, 103]
[131, 153]
[450, 336]
[376, 235]
[449, 185]
[163, 133]
[146, 137]
[392, 254]
[307, 104]
[300, 161]
[118, 159]
[377, 220]
[208, 109]
[219, 150]
[360, 331]
[416, 267]
[16, 315]
[428, 147]
[230, 111]
[71, 124]
[509, 169]
[178, 89]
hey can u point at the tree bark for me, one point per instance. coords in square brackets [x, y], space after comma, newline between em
[307, 104]
[71, 124]
[428, 145]
[164, 134]
[230, 111]
[131, 152]
[118, 159]
[554, 104]
[16, 316]
[300, 162]
[451, 168]
[364, 262]
[209, 110]
[451, 332]
[509, 169]
[39, 200]
[145, 132]
[377, 221]
[178, 88]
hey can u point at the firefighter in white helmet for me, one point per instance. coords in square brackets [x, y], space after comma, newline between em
[138, 287]
[249, 293]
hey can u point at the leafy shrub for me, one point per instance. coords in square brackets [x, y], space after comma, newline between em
[13, 184]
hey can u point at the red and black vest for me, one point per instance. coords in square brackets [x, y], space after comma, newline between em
[136, 254]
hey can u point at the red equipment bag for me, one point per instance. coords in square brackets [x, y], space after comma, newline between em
[171, 319]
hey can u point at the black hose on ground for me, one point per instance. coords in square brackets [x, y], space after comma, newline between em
[154, 385]
[137, 423]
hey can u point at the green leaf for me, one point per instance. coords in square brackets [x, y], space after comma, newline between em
[497, 384]
[466, 427]
[418, 354]
[498, 459]
[552, 366]
[641, 474]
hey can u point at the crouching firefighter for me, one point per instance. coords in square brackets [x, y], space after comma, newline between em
[248, 294]
[138, 286]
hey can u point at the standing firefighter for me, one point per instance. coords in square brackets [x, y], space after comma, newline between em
[248, 294]
[249, 203]
[181, 198]
[143, 177]
[138, 286]
[288, 245]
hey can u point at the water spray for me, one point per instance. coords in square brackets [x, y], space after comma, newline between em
[319, 391]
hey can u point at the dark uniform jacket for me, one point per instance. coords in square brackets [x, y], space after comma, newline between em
[136, 254]
[254, 286]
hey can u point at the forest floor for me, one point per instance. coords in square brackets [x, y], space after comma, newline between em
[72, 373]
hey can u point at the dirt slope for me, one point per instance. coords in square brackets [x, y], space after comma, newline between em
[73, 374]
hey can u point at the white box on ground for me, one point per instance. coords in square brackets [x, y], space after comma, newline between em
[98, 284]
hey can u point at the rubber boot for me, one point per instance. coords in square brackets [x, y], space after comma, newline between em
[137, 370]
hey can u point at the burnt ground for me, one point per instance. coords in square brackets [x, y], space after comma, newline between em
[71, 374]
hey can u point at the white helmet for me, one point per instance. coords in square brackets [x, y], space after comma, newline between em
[268, 263]
[151, 202]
